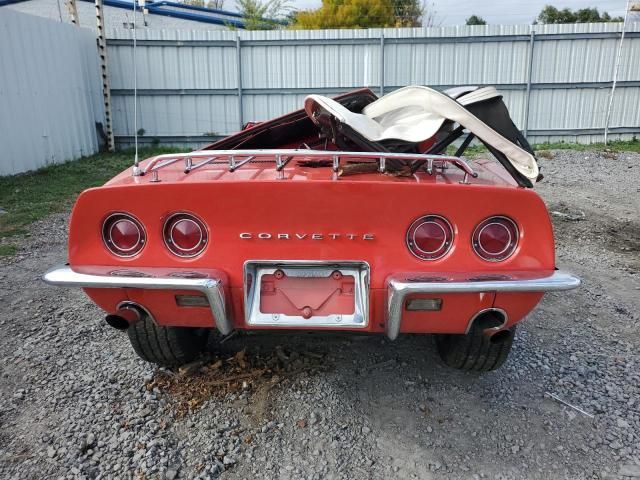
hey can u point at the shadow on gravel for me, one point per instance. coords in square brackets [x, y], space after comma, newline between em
[251, 366]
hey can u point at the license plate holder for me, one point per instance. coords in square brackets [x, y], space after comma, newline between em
[306, 294]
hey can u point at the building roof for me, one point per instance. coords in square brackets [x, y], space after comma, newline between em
[164, 8]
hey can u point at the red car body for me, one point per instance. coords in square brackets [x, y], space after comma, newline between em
[304, 215]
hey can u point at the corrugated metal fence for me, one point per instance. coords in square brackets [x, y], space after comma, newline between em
[196, 85]
[50, 92]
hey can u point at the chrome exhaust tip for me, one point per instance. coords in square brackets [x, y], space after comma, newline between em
[127, 314]
[490, 321]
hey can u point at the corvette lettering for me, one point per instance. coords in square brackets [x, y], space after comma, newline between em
[306, 236]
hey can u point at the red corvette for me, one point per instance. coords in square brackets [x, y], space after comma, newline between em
[345, 215]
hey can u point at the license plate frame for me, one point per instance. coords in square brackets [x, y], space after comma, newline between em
[254, 270]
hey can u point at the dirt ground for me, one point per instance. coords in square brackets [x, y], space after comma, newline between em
[77, 403]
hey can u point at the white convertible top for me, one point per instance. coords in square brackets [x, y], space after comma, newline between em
[416, 113]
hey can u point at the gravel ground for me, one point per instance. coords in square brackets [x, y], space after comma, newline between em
[77, 403]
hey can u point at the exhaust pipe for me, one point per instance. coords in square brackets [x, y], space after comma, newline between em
[126, 315]
[491, 322]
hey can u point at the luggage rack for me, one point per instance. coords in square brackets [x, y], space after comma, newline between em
[235, 159]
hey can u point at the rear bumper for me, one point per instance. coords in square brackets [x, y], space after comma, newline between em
[212, 288]
[401, 286]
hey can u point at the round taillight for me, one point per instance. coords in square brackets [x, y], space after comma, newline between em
[495, 239]
[185, 235]
[123, 235]
[430, 237]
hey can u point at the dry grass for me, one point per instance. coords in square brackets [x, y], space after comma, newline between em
[545, 154]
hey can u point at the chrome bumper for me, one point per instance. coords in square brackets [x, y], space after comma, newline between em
[399, 287]
[212, 288]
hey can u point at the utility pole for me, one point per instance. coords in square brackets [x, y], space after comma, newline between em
[615, 73]
[73, 11]
[106, 89]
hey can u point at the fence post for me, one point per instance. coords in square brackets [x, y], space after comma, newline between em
[106, 89]
[239, 73]
[382, 63]
[73, 11]
[527, 100]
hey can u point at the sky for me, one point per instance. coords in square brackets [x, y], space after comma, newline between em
[505, 12]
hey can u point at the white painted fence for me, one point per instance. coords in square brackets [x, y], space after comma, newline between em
[50, 92]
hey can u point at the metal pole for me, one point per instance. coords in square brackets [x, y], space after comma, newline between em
[106, 90]
[73, 11]
[135, 89]
[615, 74]
[239, 74]
[529, 75]
[382, 63]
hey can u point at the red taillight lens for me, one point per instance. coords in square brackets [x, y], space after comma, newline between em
[185, 235]
[430, 237]
[123, 235]
[495, 239]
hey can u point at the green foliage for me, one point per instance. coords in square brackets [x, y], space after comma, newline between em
[31, 196]
[264, 15]
[348, 14]
[408, 13]
[476, 20]
[615, 146]
[7, 250]
[551, 14]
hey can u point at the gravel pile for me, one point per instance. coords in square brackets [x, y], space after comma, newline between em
[77, 402]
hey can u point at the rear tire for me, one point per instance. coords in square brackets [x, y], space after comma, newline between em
[166, 346]
[475, 351]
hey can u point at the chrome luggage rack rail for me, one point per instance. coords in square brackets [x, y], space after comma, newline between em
[235, 159]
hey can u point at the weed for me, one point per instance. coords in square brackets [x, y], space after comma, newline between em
[7, 250]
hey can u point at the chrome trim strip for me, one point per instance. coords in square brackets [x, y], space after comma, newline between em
[64, 276]
[398, 288]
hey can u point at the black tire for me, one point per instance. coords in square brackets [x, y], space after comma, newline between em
[166, 346]
[475, 351]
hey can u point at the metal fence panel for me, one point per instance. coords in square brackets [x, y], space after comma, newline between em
[50, 92]
[195, 84]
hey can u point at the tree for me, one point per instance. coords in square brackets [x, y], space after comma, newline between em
[476, 20]
[348, 14]
[551, 14]
[408, 13]
[267, 15]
